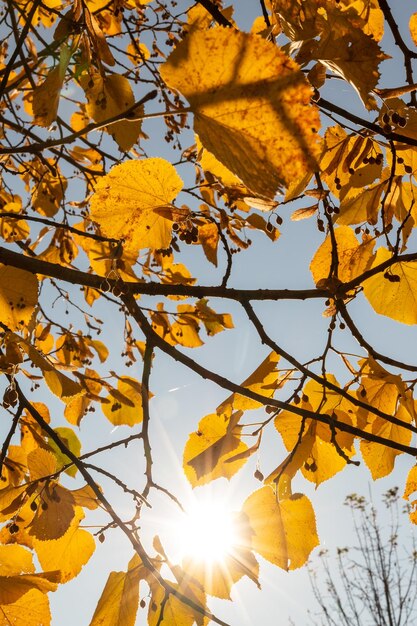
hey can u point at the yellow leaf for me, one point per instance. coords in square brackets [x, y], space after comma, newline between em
[70, 439]
[119, 601]
[395, 298]
[41, 463]
[413, 28]
[354, 257]
[125, 200]
[31, 609]
[209, 163]
[60, 385]
[254, 116]
[355, 57]
[108, 97]
[379, 458]
[356, 208]
[284, 532]
[264, 380]
[69, 553]
[208, 236]
[46, 96]
[17, 575]
[49, 188]
[208, 449]
[315, 453]
[126, 407]
[15, 559]
[175, 612]
[18, 296]
[410, 489]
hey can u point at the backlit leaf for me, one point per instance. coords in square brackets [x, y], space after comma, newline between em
[124, 201]
[208, 449]
[125, 407]
[354, 257]
[395, 298]
[284, 532]
[119, 601]
[253, 112]
[109, 96]
[69, 553]
[18, 296]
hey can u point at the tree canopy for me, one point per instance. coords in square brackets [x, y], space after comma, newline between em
[144, 144]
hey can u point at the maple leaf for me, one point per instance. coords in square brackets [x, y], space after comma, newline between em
[253, 112]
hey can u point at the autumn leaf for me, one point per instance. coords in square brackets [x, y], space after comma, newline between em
[61, 385]
[380, 459]
[125, 200]
[413, 27]
[354, 257]
[125, 403]
[46, 96]
[175, 612]
[70, 439]
[18, 296]
[208, 449]
[119, 600]
[264, 381]
[253, 112]
[69, 553]
[395, 293]
[108, 97]
[284, 532]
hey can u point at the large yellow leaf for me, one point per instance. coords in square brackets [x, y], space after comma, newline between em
[251, 105]
[119, 601]
[15, 559]
[69, 553]
[380, 459]
[394, 293]
[18, 296]
[125, 407]
[125, 200]
[109, 96]
[31, 609]
[284, 532]
[354, 257]
[208, 450]
[315, 453]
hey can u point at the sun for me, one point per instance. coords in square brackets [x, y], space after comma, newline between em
[206, 532]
